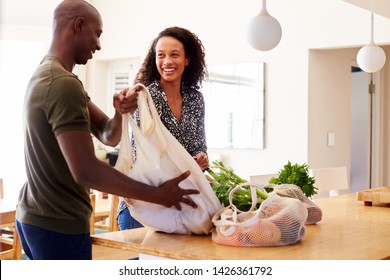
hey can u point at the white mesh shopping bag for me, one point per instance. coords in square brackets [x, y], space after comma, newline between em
[278, 221]
[161, 157]
[314, 212]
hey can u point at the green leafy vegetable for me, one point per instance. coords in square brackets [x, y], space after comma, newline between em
[224, 179]
[298, 175]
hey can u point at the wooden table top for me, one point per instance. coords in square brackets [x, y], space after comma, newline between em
[348, 230]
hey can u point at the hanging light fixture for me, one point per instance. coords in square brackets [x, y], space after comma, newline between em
[264, 31]
[371, 57]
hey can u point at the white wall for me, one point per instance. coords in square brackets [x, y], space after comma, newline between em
[129, 27]
[330, 107]
[19, 56]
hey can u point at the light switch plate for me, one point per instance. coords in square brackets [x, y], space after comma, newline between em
[331, 139]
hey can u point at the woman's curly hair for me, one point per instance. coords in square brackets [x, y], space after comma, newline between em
[194, 73]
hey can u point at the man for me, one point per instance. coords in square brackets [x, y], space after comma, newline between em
[54, 207]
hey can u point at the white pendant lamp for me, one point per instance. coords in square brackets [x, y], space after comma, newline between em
[371, 57]
[264, 31]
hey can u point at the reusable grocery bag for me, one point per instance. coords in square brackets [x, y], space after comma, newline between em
[314, 212]
[160, 157]
[278, 221]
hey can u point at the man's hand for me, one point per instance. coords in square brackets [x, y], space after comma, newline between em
[173, 195]
[126, 101]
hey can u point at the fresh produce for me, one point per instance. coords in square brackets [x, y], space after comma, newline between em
[314, 212]
[224, 179]
[297, 175]
[237, 238]
[278, 223]
[264, 232]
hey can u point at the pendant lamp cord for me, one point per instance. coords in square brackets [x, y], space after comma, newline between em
[371, 90]
[372, 25]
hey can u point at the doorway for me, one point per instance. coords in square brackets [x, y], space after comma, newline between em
[365, 112]
[330, 110]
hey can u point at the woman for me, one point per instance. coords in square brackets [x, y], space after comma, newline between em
[173, 71]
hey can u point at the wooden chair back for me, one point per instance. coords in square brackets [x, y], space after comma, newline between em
[331, 180]
[262, 179]
[11, 248]
[104, 213]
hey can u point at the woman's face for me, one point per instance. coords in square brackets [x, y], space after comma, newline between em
[170, 59]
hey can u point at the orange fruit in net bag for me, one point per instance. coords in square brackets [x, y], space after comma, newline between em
[264, 233]
[237, 238]
[270, 210]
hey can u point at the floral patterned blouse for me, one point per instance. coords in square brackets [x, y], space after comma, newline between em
[190, 130]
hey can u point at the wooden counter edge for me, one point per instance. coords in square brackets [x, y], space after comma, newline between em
[131, 247]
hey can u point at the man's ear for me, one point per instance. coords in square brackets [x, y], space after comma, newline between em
[78, 24]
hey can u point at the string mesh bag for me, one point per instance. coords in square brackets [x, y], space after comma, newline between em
[277, 221]
[161, 157]
[314, 212]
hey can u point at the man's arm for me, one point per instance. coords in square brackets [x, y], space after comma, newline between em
[107, 130]
[78, 150]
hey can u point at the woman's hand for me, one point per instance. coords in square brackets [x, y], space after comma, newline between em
[202, 160]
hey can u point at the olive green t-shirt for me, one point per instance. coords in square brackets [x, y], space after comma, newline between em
[55, 102]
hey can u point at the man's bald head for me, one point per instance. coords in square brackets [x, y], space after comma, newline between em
[77, 27]
[69, 10]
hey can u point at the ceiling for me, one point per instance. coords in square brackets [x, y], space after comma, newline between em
[22, 12]
[380, 7]
[11, 13]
